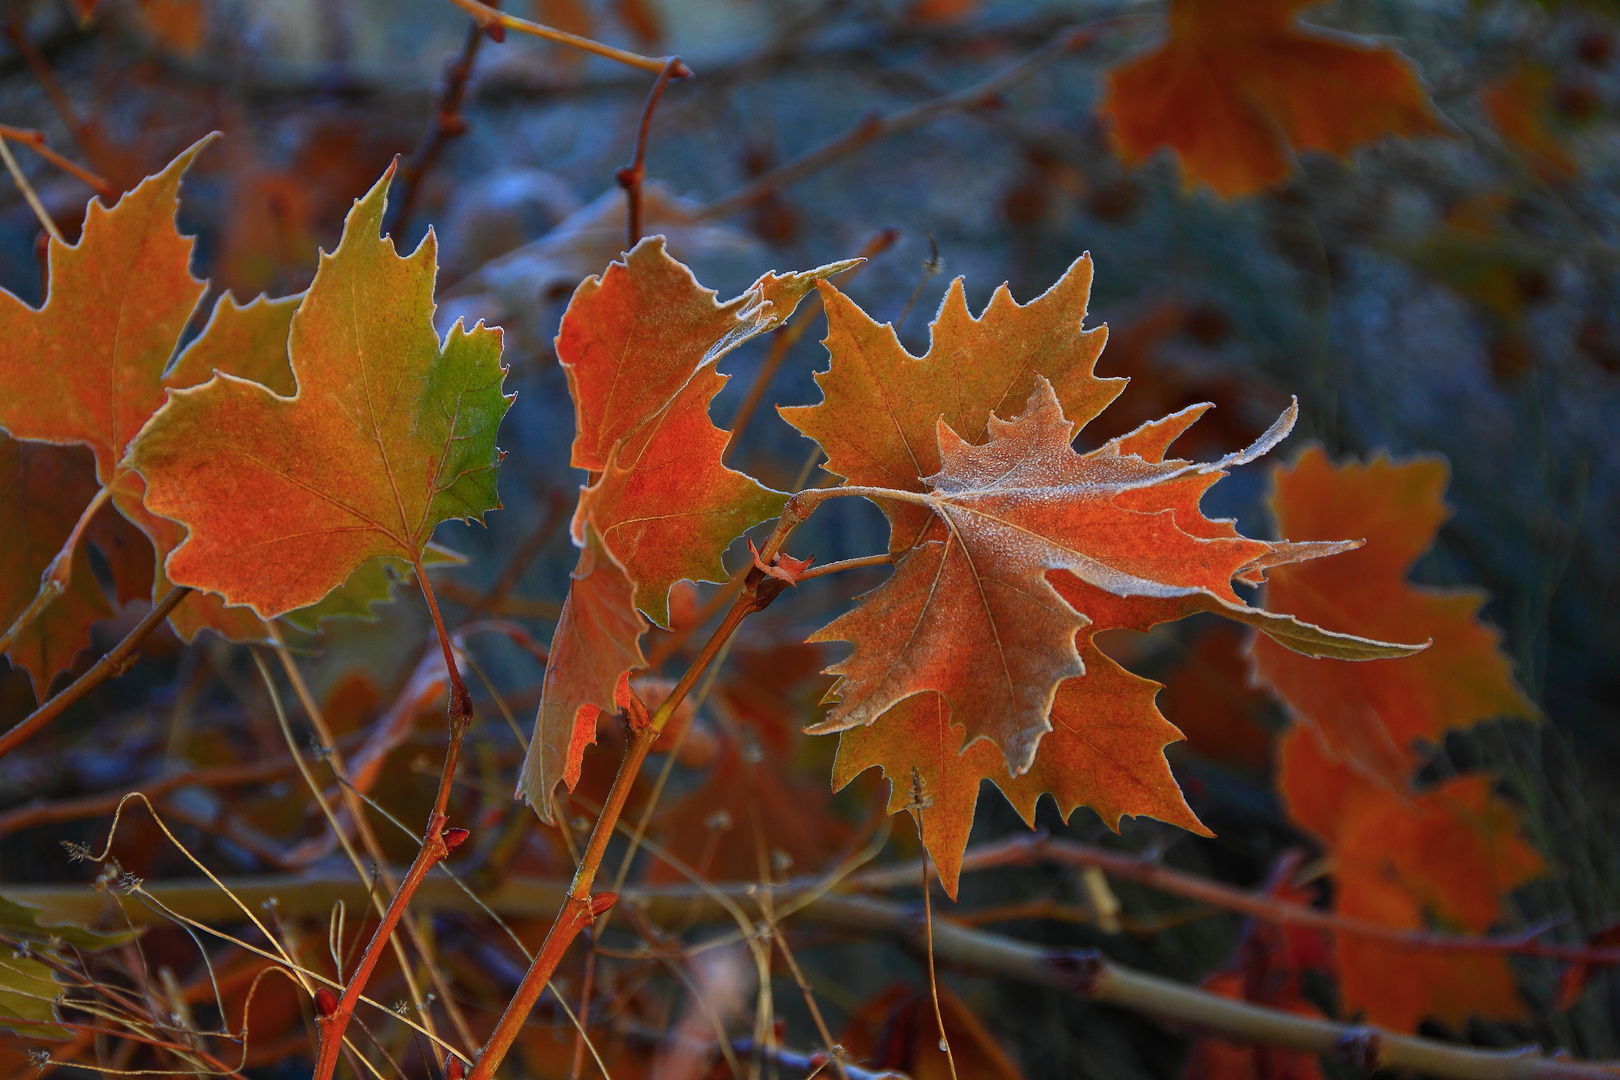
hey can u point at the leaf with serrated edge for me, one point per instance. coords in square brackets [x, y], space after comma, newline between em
[970, 613]
[1406, 859]
[633, 336]
[1236, 87]
[669, 512]
[86, 368]
[388, 435]
[880, 405]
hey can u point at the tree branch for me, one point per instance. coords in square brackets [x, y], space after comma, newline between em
[631, 175]
[1078, 971]
[873, 129]
[496, 23]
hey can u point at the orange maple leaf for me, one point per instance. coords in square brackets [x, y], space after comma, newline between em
[880, 407]
[1442, 858]
[130, 270]
[639, 344]
[1373, 714]
[1239, 84]
[969, 611]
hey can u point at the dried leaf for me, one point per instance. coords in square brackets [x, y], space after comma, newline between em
[881, 406]
[970, 613]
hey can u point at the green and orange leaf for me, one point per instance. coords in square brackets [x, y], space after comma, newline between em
[388, 434]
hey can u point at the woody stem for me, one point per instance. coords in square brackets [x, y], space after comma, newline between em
[580, 908]
[434, 848]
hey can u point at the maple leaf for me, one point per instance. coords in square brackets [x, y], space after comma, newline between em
[1372, 715]
[1237, 86]
[1445, 857]
[877, 421]
[639, 345]
[671, 511]
[129, 271]
[43, 491]
[87, 367]
[969, 612]
[388, 434]
[633, 337]
[596, 644]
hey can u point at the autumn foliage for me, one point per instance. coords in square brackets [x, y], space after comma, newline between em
[767, 691]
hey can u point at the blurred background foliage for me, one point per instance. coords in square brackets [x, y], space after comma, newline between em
[1453, 293]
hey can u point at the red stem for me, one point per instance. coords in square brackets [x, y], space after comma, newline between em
[436, 844]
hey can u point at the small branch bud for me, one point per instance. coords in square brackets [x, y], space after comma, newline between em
[453, 838]
[325, 1002]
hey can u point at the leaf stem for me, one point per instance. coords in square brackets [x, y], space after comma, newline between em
[59, 574]
[495, 23]
[883, 559]
[116, 662]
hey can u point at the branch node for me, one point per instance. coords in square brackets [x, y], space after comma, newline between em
[1082, 969]
[1361, 1049]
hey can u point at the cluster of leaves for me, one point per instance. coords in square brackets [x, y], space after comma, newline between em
[291, 459]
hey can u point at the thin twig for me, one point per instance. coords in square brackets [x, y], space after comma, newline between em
[41, 69]
[931, 266]
[436, 844]
[1077, 971]
[496, 23]
[1030, 850]
[368, 837]
[445, 124]
[874, 129]
[116, 662]
[631, 175]
[883, 559]
[35, 140]
[27, 190]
